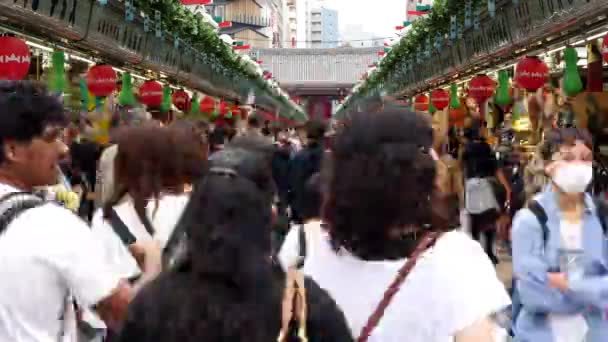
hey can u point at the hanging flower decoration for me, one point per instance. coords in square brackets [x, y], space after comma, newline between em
[14, 59]
[440, 99]
[151, 93]
[572, 79]
[101, 80]
[531, 73]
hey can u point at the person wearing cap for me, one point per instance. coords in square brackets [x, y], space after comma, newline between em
[559, 250]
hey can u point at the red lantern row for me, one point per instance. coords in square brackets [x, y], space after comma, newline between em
[421, 103]
[181, 100]
[151, 93]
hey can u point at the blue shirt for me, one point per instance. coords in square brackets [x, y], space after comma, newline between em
[533, 259]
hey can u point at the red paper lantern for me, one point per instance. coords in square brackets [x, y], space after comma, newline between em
[481, 88]
[440, 98]
[101, 80]
[421, 103]
[14, 59]
[224, 108]
[531, 73]
[605, 49]
[151, 93]
[181, 100]
[207, 105]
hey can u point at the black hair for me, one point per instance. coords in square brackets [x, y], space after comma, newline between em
[380, 178]
[310, 207]
[315, 130]
[558, 136]
[253, 121]
[27, 109]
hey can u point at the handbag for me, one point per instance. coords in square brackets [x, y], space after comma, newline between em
[425, 243]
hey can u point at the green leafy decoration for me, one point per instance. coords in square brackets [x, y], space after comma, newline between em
[165, 106]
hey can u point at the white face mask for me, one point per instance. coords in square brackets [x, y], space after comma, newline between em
[573, 178]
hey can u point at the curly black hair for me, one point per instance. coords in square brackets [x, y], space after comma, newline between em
[27, 109]
[380, 178]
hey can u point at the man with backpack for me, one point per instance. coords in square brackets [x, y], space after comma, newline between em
[49, 260]
[560, 260]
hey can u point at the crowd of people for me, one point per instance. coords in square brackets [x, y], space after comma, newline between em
[193, 231]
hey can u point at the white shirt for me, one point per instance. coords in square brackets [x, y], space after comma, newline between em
[289, 255]
[570, 328]
[452, 286]
[48, 254]
[163, 217]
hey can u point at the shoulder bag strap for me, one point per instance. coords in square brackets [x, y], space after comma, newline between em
[15, 203]
[121, 229]
[427, 241]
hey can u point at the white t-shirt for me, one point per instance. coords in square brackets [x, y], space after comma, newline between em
[453, 285]
[48, 255]
[163, 219]
[289, 255]
[570, 328]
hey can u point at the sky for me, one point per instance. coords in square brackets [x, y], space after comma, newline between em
[378, 17]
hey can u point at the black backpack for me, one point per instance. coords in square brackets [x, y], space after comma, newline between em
[541, 216]
[14, 204]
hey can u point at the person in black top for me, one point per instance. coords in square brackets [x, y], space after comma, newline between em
[304, 164]
[224, 285]
[479, 161]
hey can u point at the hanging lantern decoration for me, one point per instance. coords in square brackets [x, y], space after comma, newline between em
[421, 103]
[604, 48]
[440, 99]
[126, 96]
[572, 80]
[531, 73]
[165, 105]
[57, 80]
[432, 109]
[224, 110]
[195, 105]
[151, 93]
[181, 100]
[207, 105]
[481, 88]
[454, 100]
[14, 59]
[503, 95]
[101, 80]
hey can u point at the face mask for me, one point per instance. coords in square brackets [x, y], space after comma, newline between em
[573, 178]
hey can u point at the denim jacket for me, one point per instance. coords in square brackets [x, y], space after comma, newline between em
[532, 260]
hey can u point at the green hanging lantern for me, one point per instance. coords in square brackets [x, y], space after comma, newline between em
[57, 79]
[572, 79]
[126, 96]
[84, 95]
[432, 108]
[454, 100]
[503, 97]
[195, 108]
[228, 114]
[165, 106]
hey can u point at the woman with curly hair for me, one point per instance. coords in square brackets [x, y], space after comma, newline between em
[225, 286]
[387, 258]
